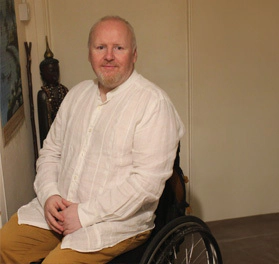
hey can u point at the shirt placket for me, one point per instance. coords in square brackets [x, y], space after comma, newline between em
[73, 189]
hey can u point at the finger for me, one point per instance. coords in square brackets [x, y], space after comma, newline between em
[54, 224]
[56, 230]
[57, 215]
[61, 206]
[66, 203]
[56, 227]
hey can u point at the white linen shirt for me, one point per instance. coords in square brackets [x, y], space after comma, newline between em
[112, 158]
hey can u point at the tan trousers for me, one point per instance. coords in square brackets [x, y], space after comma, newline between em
[24, 244]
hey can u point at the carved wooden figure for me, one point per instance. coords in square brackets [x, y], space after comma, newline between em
[51, 94]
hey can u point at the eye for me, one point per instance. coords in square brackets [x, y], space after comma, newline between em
[119, 48]
[101, 47]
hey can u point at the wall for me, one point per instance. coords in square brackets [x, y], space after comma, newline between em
[234, 107]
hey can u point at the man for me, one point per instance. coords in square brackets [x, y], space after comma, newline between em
[104, 162]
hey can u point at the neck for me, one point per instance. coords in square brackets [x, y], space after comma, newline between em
[103, 92]
[103, 96]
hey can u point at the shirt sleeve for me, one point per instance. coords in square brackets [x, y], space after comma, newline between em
[155, 143]
[49, 162]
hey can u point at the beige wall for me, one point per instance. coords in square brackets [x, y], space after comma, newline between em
[216, 60]
[234, 107]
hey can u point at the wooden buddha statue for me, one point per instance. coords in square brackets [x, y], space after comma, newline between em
[51, 94]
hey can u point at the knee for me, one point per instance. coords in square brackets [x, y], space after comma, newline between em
[6, 246]
[2, 240]
[6, 239]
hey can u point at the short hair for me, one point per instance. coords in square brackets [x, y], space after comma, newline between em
[116, 18]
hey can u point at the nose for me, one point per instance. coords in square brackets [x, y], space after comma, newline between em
[109, 55]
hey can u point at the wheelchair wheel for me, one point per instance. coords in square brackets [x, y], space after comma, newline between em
[186, 239]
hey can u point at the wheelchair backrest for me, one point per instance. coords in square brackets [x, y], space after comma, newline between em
[172, 203]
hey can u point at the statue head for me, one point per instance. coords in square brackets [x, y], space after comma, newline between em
[49, 68]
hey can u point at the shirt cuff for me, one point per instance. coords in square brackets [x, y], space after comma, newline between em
[43, 195]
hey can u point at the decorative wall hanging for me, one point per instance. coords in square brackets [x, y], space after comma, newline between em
[11, 98]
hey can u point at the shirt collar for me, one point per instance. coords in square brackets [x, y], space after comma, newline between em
[122, 87]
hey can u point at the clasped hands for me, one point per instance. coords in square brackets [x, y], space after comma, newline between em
[62, 215]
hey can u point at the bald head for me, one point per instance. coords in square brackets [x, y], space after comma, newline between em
[114, 18]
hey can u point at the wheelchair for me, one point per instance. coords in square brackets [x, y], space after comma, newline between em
[177, 238]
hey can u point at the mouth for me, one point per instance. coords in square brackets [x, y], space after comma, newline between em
[109, 66]
[109, 69]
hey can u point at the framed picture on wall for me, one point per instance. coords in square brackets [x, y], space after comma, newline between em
[11, 98]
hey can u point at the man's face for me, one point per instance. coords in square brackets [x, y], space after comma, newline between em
[111, 53]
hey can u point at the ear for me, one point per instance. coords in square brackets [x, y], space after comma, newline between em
[135, 56]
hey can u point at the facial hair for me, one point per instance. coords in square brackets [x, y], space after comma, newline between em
[109, 81]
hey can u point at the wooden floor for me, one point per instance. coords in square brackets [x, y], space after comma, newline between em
[249, 240]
